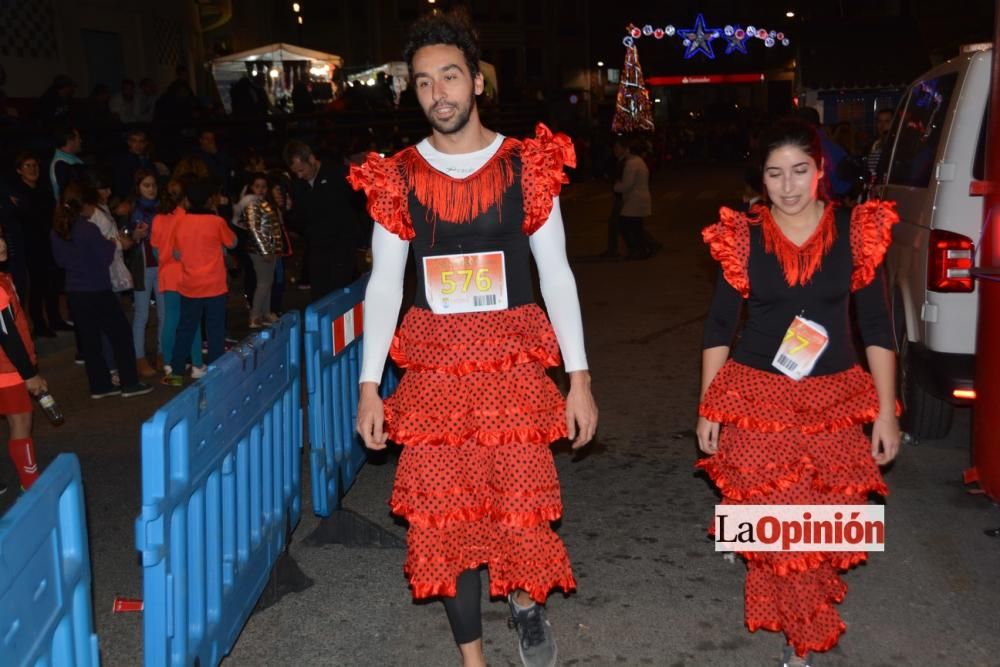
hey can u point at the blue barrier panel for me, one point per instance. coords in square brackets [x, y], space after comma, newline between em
[46, 617]
[333, 337]
[221, 490]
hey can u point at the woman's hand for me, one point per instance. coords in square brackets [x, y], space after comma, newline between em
[371, 417]
[581, 410]
[36, 385]
[141, 231]
[708, 436]
[885, 438]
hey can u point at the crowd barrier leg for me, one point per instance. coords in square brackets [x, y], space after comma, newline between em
[46, 615]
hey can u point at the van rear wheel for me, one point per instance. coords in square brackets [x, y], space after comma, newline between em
[925, 416]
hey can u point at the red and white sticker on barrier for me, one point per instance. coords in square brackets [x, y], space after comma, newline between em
[348, 327]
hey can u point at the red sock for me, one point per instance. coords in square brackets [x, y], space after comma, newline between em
[22, 452]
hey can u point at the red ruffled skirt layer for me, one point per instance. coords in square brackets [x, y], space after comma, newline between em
[794, 443]
[476, 481]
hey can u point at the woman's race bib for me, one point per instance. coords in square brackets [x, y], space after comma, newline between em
[802, 346]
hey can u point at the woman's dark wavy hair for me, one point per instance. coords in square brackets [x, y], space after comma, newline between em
[452, 28]
[801, 135]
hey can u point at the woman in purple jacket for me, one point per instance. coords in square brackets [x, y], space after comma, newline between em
[86, 256]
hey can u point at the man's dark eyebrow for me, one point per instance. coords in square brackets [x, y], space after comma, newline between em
[445, 68]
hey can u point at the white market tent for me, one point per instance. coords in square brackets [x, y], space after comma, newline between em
[277, 67]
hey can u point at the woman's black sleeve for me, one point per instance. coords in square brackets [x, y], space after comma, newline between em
[13, 346]
[723, 315]
[872, 308]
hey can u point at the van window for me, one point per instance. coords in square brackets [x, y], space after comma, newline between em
[979, 164]
[920, 130]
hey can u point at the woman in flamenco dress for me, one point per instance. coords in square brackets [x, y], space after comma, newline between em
[774, 439]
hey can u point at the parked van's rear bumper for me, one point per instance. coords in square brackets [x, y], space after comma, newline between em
[944, 372]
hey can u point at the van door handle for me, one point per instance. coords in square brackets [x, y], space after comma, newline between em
[945, 172]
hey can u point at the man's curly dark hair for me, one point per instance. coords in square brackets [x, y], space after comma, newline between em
[451, 28]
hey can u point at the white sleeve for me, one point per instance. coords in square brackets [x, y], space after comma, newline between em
[548, 245]
[383, 296]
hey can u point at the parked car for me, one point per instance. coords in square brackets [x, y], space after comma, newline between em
[933, 169]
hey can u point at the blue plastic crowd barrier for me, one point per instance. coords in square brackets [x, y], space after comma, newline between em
[46, 616]
[221, 491]
[333, 335]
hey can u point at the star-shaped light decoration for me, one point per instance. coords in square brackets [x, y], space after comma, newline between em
[736, 39]
[699, 38]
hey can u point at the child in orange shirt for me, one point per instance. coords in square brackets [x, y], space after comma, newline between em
[18, 378]
[199, 241]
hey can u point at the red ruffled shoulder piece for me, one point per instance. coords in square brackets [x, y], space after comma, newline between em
[871, 234]
[384, 183]
[729, 242]
[543, 159]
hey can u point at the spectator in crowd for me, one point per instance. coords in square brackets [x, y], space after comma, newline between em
[261, 217]
[86, 255]
[14, 249]
[251, 164]
[636, 201]
[611, 251]
[19, 379]
[200, 238]
[834, 157]
[278, 182]
[147, 100]
[883, 123]
[66, 165]
[54, 106]
[190, 165]
[33, 208]
[178, 103]
[97, 109]
[128, 163]
[322, 212]
[125, 103]
[753, 179]
[220, 165]
[170, 210]
[144, 210]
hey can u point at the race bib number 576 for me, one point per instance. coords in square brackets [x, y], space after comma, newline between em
[472, 283]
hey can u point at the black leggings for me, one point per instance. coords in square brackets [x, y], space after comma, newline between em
[463, 609]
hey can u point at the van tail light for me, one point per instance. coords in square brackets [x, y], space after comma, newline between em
[949, 266]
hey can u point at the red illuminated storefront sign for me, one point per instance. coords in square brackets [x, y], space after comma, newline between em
[691, 79]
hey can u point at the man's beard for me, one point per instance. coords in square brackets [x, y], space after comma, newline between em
[456, 122]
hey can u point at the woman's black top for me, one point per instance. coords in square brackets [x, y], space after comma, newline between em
[825, 299]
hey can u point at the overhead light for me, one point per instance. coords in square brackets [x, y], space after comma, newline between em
[273, 73]
[431, 2]
[371, 81]
[657, 100]
[966, 394]
[296, 7]
[600, 63]
[790, 15]
[300, 20]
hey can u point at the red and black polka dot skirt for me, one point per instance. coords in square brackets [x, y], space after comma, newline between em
[476, 413]
[787, 442]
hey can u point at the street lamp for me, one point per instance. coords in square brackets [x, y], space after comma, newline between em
[296, 7]
[300, 20]
[600, 63]
[790, 15]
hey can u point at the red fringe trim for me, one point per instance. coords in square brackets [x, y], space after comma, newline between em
[729, 243]
[460, 200]
[482, 511]
[542, 177]
[498, 588]
[752, 423]
[808, 560]
[471, 491]
[792, 475]
[871, 234]
[799, 263]
[382, 181]
[526, 435]
[538, 354]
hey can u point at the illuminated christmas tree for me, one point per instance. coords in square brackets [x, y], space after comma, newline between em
[633, 108]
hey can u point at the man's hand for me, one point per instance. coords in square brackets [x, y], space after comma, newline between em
[371, 417]
[36, 385]
[581, 410]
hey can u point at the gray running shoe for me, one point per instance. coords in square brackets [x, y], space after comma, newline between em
[790, 659]
[535, 643]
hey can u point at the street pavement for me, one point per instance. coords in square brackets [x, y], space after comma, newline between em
[651, 589]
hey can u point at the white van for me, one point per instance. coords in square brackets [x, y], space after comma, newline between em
[932, 167]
